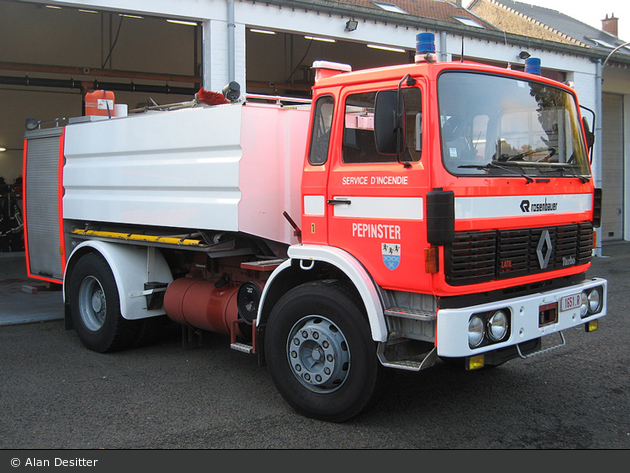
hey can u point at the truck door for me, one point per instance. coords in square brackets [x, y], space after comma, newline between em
[314, 177]
[375, 204]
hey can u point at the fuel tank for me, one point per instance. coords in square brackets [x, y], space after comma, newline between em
[201, 304]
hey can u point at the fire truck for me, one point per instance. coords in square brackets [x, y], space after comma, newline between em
[404, 216]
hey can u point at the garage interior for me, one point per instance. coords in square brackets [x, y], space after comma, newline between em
[56, 55]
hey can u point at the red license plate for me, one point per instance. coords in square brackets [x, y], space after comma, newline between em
[570, 302]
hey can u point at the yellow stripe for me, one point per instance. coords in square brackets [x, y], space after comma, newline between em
[135, 237]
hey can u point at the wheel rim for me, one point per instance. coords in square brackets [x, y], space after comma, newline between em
[318, 354]
[92, 303]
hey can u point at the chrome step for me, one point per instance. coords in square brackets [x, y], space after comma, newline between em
[416, 363]
[406, 313]
[242, 347]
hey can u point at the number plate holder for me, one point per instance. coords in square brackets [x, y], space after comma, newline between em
[548, 314]
[570, 302]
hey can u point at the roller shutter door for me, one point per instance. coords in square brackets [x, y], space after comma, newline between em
[612, 167]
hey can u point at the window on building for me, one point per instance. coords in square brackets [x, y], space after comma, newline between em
[390, 7]
[468, 21]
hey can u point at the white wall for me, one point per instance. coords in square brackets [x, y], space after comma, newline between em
[216, 72]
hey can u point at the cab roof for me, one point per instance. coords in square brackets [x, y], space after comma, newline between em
[426, 69]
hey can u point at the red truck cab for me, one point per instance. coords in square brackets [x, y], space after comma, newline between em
[468, 137]
[462, 186]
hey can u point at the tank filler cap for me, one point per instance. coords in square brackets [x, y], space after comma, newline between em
[425, 48]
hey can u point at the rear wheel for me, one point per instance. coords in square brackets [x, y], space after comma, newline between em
[320, 352]
[95, 307]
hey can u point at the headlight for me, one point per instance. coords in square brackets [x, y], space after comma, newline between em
[475, 331]
[498, 326]
[584, 305]
[594, 300]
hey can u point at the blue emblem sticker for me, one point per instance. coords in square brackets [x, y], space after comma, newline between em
[391, 255]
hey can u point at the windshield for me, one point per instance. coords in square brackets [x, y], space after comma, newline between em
[501, 126]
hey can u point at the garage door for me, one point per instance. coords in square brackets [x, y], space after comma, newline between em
[612, 167]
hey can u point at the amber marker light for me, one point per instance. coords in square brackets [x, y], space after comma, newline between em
[591, 326]
[431, 260]
[475, 362]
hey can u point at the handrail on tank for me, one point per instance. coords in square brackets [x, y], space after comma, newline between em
[277, 99]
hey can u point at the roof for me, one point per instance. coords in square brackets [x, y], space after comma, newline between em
[442, 15]
[441, 10]
[428, 69]
[422, 13]
[582, 33]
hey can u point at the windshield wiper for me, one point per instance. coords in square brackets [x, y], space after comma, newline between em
[568, 168]
[494, 165]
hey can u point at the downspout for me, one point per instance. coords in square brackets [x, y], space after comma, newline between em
[443, 52]
[231, 42]
[598, 149]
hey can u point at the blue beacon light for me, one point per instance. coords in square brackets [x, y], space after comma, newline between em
[425, 47]
[532, 65]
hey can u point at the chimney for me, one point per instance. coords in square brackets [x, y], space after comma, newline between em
[610, 25]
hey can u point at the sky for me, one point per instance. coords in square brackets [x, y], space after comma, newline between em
[591, 12]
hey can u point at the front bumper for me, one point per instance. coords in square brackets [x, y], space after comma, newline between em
[524, 321]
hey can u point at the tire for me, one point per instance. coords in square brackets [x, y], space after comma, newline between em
[95, 307]
[320, 352]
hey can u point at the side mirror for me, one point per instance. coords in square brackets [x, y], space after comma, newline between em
[589, 133]
[389, 122]
[590, 136]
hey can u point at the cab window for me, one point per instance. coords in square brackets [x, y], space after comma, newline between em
[320, 135]
[509, 126]
[358, 136]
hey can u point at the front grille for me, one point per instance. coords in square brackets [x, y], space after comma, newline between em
[476, 257]
[473, 256]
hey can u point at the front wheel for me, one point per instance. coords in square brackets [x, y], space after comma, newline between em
[320, 352]
[95, 307]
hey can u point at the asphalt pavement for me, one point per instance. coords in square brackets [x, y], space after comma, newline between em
[55, 394]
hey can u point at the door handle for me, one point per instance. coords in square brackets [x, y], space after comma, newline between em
[338, 201]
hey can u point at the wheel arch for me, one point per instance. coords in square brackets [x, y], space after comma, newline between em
[131, 267]
[298, 269]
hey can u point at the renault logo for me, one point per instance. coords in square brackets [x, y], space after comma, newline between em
[543, 251]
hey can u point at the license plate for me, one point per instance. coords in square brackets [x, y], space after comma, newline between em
[570, 302]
